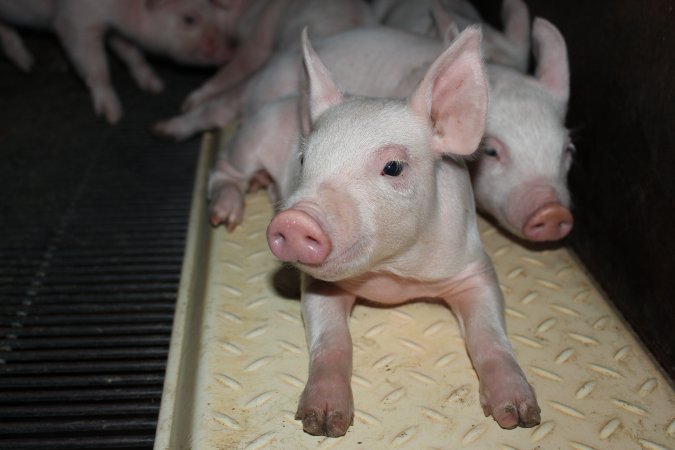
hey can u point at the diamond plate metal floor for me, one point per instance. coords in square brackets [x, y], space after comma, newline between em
[238, 360]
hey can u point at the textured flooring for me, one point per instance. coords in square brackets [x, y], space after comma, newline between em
[238, 358]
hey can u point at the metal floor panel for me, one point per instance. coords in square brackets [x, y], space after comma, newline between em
[86, 308]
[238, 359]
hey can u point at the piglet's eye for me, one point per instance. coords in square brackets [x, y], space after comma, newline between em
[189, 19]
[571, 149]
[490, 152]
[393, 168]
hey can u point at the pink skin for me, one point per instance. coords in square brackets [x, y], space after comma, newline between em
[188, 31]
[369, 251]
[535, 144]
[257, 156]
[382, 73]
[269, 26]
[551, 222]
[535, 210]
[519, 113]
[521, 178]
[295, 236]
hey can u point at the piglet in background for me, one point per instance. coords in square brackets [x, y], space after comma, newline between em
[521, 177]
[195, 32]
[268, 26]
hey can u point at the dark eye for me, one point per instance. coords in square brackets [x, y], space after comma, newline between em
[571, 149]
[393, 168]
[302, 160]
[189, 20]
[490, 152]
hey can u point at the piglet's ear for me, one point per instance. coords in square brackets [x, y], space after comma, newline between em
[453, 96]
[516, 20]
[446, 26]
[321, 91]
[550, 52]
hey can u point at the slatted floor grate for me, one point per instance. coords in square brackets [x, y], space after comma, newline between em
[86, 308]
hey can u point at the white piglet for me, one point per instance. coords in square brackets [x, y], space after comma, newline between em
[521, 177]
[376, 203]
[197, 32]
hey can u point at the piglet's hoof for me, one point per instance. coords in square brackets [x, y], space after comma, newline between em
[320, 423]
[508, 397]
[326, 407]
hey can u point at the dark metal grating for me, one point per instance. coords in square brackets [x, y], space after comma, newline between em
[86, 308]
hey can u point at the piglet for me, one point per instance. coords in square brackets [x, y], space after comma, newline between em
[521, 177]
[188, 31]
[382, 210]
[376, 203]
[268, 26]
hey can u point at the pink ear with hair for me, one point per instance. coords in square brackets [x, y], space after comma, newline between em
[321, 90]
[550, 52]
[453, 96]
[516, 20]
[446, 26]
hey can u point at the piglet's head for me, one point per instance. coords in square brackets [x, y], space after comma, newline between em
[521, 179]
[197, 32]
[367, 183]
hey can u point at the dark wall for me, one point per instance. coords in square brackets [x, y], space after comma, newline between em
[622, 58]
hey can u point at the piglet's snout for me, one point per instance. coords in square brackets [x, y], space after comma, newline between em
[549, 223]
[294, 236]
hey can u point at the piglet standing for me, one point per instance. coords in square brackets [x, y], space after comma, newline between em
[378, 205]
[188, 31]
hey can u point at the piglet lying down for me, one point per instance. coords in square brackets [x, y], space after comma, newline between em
[377, 204]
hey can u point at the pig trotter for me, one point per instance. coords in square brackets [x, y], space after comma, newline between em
[227, 207]
[326, 408]
[506, 395]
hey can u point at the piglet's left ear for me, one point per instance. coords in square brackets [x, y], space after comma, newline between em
[453, 96]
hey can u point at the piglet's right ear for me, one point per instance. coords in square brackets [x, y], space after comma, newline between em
[453, 96]
[550, 52]
[321, 91]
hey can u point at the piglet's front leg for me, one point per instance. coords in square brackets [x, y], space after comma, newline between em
[326, 406]
[504, 390]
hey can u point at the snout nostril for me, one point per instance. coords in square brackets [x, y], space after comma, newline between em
[278, 238]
